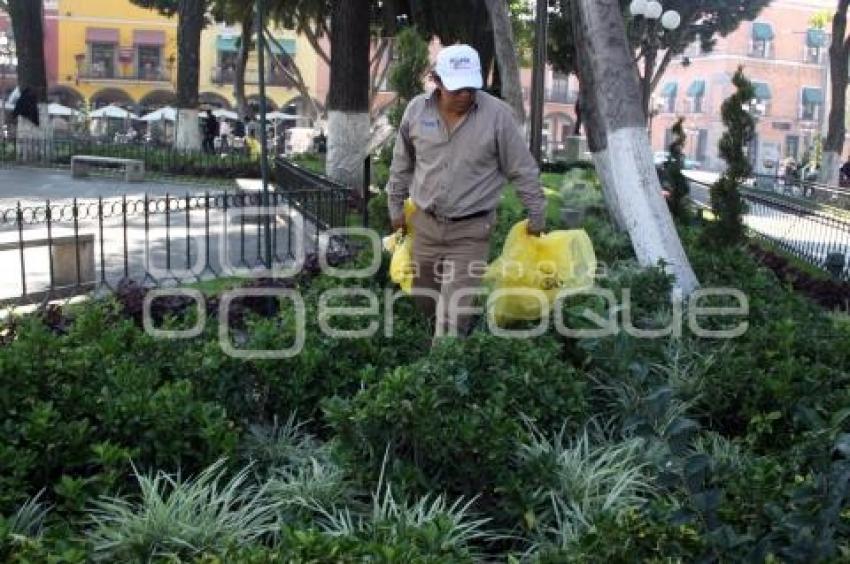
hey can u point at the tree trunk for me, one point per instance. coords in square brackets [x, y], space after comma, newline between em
[242, 63]
[506, 57]
[189, 26]
[646, 80]
[34, 141]
[625, 157]
[839, 52]
[348, 100]
[28, 27]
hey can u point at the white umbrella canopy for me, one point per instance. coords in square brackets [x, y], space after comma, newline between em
[116, 112]
[167, 113]
[59, 110]
[283, 117]
[226, 114]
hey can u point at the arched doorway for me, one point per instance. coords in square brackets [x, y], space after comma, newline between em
[66, 96]
[155, 100]
[112, 96]
[299, 106]
[254, 104]
[215, 101]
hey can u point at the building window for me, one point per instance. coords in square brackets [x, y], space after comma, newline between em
[696, 93]
[792, 146]
[812, 101]
[702, 146]
[762, 40]
[668, 97]
[149, 60]
[560, 90]
[763, 98]
[102, 57]
[815, 43]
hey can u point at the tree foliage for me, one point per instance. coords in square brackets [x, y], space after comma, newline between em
[407, 75]
[702, 21]
[726, 202]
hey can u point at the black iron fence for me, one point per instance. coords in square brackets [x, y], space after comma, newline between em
[291, 176]
[814, 235]
[809, 190]
[160, 161]
[57, 250]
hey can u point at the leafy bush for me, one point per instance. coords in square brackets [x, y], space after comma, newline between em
[81, 403]
[452, 421]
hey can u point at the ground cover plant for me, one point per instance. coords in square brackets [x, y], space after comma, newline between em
[117, 446]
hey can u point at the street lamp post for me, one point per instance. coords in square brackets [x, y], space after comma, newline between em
[648, 14]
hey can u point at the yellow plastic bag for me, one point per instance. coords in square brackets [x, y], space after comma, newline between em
[549, 263]
[401, 246]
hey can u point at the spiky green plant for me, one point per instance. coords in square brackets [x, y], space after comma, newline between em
[439, 526]
[590, 479]
[179, 518]
[303, 490]
[281, 445]
[27, 523]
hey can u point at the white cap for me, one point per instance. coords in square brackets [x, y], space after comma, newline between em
[459, 67]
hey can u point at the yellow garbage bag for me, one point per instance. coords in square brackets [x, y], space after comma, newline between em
[401, 246]
[549, 263]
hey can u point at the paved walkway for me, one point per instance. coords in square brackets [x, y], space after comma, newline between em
[171, 247]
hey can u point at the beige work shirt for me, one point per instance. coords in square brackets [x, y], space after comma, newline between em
[463, 172]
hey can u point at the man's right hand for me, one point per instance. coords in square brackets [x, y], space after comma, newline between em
[400, 224]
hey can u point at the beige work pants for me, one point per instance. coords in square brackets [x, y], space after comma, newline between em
[450, 259]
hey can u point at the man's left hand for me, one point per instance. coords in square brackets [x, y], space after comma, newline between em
[535, 232]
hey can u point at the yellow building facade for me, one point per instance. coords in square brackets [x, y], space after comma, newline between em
[111, 51]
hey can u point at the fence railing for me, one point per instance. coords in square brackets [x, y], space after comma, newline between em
[836, 196]
[159, 160]
[55, 250]
[144, 74]
[814, 236]
[292, 177]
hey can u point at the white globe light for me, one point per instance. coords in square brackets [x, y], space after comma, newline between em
[637, 7]
[671, 20]
[653, 10]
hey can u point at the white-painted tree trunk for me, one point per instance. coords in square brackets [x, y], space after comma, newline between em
[35, 143]
[830, 167]
[602, 162]
[633, 191]
[644, 211]
[187, 136]
[348, 141]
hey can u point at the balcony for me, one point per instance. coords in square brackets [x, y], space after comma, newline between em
[561, 96]
[252, 76]
[90, 71]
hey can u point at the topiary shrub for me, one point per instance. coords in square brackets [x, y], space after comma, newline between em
[726, 202]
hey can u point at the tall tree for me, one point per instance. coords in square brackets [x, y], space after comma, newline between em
[191, 16]
[701, 21]
[348, 102]
[28, 27]
[623, 154]
[507, 57]
[839, 55]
